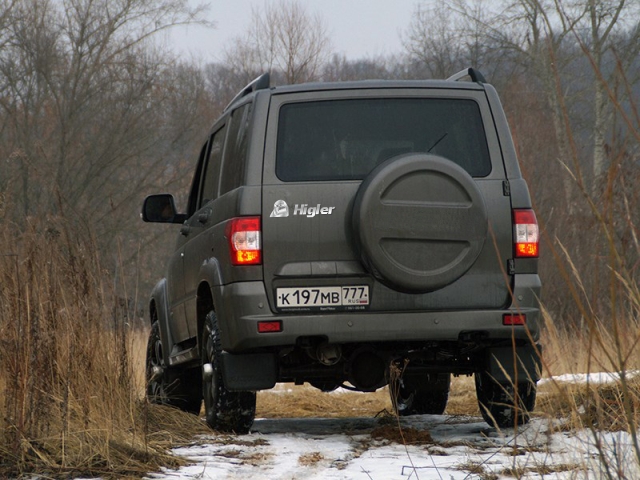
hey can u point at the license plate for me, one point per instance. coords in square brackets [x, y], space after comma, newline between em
[349, 296]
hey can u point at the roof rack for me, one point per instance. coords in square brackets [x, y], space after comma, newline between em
[260, 83]
[475, 75]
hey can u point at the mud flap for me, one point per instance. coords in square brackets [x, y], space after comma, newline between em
[502, 368]
[249, 372]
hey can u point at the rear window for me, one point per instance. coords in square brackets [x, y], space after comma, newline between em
[346, 139]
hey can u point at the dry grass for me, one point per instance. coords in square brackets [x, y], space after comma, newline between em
[578, 350]
[72, 365]
[309, 459]
[478, 470]
[598, 406]
[407, 436]
[286, 401]
[462, 398]
[596, 348]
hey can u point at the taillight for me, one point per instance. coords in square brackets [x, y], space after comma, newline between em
[245, 244]
[525, 235]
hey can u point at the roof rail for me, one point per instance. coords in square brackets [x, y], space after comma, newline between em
[475, 75]
[260, 83]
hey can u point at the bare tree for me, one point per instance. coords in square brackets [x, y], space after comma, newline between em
[523, 30]
[433, 41]
[284, 37]
[85, 104]
[596, 31]
[446, 37]
[551, 37]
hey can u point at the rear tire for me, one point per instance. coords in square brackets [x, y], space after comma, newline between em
[225, 411]
[426, 396]
[180, 388]
[498, 401]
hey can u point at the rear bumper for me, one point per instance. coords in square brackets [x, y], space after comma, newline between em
[240, 306]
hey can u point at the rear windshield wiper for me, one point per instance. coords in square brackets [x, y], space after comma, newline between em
[437, 142]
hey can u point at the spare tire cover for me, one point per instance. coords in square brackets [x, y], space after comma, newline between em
[419, 222]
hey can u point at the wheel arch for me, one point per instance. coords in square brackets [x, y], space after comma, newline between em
[204, 304]
[153, 311]
[211, 277]
[158, 311]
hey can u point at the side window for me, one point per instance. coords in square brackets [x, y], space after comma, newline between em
[236, 149]
[193, 193]
[211, 178]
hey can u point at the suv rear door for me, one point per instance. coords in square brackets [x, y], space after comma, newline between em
[334, 242]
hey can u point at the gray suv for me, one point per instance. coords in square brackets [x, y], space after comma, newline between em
[340, 233]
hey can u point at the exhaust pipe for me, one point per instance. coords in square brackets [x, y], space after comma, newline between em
[328, 354]
[366, 370]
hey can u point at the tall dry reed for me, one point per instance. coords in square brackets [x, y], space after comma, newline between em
[71, 363]
[606, 337]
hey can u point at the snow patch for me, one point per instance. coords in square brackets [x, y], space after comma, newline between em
[462, 448]
[596, 378]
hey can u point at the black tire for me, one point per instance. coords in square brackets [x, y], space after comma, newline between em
[180, 388]
[225, 411]
[498, 401]
[427, 396]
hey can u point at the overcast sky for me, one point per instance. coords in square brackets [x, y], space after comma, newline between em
[357, 28]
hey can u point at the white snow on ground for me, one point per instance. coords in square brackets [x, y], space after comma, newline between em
[596, 378]
[460, 448]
